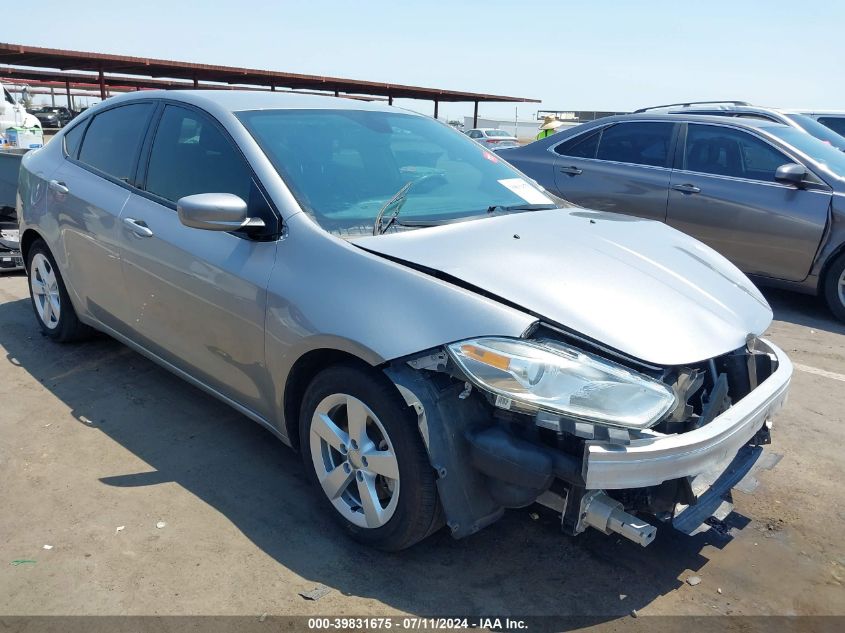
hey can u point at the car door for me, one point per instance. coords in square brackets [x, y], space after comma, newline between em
[724, 193]
[198, 297]
[86, 195]
[623, 167]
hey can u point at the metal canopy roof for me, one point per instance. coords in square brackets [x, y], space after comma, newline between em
[119, 83]
[37, 57]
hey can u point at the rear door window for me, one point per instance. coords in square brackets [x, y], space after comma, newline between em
[640, 143]
[724, 151]
[114, 138]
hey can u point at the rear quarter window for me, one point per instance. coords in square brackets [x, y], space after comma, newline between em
[73, 139]
[582, 146]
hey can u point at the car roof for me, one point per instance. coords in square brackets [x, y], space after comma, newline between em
[736, 108]
[242, 100]
[676, 115]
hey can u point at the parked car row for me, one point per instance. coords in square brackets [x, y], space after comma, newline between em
[436, 335]
[768, 195]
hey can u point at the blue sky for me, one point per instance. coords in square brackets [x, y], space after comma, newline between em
[593, 54]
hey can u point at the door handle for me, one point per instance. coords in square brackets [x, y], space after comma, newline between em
[571, 170]
[686, 188]
[59, 187]
[138, 227]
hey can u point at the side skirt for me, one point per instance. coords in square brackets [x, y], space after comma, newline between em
[252, 415]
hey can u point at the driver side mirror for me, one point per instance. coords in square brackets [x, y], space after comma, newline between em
[215, 212]
[791, 174]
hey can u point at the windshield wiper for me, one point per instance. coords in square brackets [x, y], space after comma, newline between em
[520, 207]
[493, 210]
[397, 199]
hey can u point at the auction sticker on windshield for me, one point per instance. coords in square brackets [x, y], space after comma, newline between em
[524, 190]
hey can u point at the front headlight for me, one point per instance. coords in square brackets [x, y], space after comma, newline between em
[548, 375]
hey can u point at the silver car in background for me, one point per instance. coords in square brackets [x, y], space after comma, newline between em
[493, 138]
[769, 197]
[433, 333]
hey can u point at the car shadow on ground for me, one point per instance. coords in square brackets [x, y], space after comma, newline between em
[520, 566]
[801, 309]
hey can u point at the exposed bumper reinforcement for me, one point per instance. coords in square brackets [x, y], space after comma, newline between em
[653, 460]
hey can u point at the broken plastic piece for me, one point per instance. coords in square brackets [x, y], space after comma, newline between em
[316, 593]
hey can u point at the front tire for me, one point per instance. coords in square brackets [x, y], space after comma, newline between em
[364, 454]
[834, 287]
[50, 301]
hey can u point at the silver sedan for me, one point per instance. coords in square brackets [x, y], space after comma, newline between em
[436, 335]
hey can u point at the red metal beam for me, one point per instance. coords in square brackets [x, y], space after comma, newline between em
[123, 83]
[33, 56]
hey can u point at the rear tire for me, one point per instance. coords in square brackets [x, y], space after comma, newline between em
[364, 454]
[50, 301]
[834, 287]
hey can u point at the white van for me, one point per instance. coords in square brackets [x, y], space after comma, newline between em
[13, 114]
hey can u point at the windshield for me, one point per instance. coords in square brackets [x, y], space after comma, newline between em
[826, 156]
[343, 166]
[498, 133]
[811, 126]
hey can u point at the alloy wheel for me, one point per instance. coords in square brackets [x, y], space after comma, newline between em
[354, 460]
[45, 291]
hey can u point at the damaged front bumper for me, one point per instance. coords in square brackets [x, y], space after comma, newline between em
[488, 460]
[652, 460]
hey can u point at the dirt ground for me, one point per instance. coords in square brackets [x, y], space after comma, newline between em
[98, 445]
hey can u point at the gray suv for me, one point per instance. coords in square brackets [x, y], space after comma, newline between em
[767, 196]
[742, 110]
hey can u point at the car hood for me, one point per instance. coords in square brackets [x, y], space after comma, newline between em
[635, 285]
